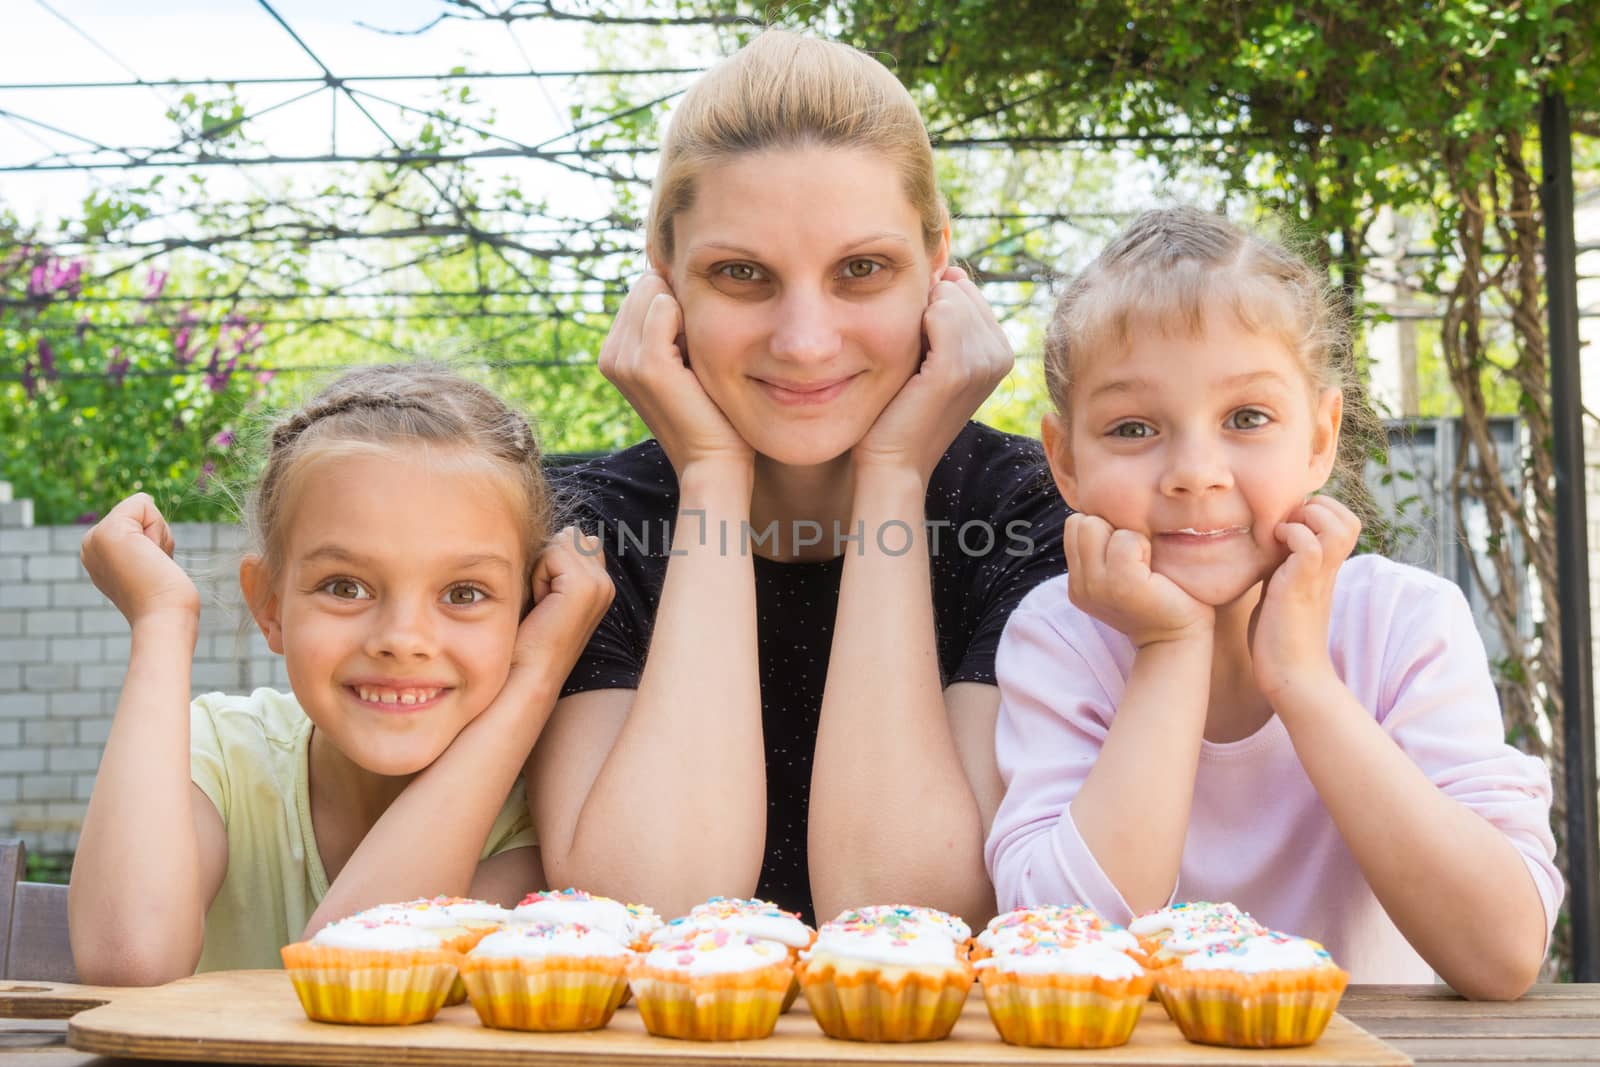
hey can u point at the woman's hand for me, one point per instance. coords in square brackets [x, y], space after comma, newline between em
[642, 358]
[1289, 639]
[571, 591]
[968, 354]
[128, 555]
[1109, 576]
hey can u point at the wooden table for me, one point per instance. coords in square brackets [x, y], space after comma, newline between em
[1553, 1024]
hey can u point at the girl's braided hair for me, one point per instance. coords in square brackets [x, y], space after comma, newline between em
[396, 405]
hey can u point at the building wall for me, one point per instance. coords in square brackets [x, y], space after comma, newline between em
[63, 652]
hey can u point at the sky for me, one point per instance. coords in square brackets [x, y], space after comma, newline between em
[155, 41]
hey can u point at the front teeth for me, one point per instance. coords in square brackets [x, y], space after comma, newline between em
[374, 695]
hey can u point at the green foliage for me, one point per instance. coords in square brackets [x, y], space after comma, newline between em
[123, 372]
[53, 867]
[89, 415]
[1438, 399]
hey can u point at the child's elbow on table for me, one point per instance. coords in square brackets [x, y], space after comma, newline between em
[131, 958]
[1504, 976]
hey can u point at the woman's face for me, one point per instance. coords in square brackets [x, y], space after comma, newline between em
[803, 276]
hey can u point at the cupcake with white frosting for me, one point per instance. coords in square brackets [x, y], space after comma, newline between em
[483, 915]
[895, 973]
[458, 922]
[715, 985]
[631, 924]
[1024, 926]
[952, 926]
[1180, 930]
[760, 919]
[371, 971]
[544, 976]
[1063, 984]
[1267, 990]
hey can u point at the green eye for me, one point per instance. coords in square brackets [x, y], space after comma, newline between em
[741, 272]
[1250, 419]
[1132, 430]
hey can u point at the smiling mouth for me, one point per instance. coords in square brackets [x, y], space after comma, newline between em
[802, 393]
[1189, 533]
[387, 696]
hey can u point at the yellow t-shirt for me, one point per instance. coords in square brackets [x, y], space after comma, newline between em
[249, 755]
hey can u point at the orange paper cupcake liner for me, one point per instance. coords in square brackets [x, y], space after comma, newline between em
[739, 1006]
[885, 1004]
[463, 942]
[1064, 1010]
[1272, 1009]
[338, 985]
[794, 982]
[548, 993]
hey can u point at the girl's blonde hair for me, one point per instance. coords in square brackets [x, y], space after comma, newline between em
[390, 406]
[1173, 266]
[784, 91]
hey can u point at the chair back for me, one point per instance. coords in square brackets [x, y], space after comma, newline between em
[33, 923]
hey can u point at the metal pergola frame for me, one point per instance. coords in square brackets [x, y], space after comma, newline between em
[1572, 537]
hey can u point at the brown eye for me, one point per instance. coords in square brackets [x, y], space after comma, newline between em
[346, 589]
[862, 268]
[465, 595]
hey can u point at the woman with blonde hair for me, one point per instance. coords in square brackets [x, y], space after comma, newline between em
[793, 693]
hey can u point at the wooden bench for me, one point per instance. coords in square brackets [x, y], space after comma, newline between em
[33, 923]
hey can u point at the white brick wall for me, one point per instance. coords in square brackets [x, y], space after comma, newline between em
[63, 651]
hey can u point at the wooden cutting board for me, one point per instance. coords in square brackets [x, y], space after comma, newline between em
[254, 1017]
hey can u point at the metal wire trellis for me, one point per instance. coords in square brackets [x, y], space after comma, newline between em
[527, 263]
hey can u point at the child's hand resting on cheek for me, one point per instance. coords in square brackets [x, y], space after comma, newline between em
[1109, 576]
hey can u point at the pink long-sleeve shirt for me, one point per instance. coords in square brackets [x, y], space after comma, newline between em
[1404, 643]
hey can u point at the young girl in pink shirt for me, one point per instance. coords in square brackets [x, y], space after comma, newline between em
[1217, 702]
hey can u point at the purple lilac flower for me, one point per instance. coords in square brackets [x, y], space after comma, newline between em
[117, 369]
[217, 377]
[68, 277]
[47, 360]
[248, 339]
[223, 439]
[183, 336]
[155, 284]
